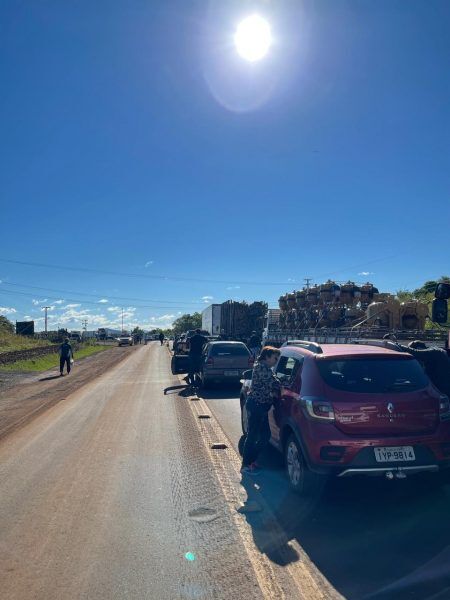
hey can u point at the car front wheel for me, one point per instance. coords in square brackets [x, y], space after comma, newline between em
[301, 479]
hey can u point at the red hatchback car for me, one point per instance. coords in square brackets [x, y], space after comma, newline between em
[349, 409]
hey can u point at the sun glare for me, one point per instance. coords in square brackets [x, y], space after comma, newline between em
[253, 38]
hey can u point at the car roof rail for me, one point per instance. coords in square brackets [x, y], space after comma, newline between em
[306, 344]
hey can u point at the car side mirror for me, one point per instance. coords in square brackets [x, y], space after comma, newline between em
[247, 374]
[442, 292]
[439, 310]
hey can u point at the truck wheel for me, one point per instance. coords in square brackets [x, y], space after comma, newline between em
[301, 479]
[244, 417]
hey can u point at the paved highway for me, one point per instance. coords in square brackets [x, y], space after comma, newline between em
[370, 538]
[119, 491]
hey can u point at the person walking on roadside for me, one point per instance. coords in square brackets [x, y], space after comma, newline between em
[196, 345]
[265, 389]
[254, 344]
[161, 338]
[65, 356]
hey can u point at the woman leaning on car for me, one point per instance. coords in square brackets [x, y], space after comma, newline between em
[264, 390]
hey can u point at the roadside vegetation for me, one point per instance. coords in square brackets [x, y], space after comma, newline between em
[9, 341]
[51, 361]
[425, 293]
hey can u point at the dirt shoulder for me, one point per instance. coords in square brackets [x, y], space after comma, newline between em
[24, 396]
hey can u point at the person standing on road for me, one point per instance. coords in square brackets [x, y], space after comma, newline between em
[161, 338]
[254, 344]
[435, 361]
[265, 389]
[65, 356]
[196, 345]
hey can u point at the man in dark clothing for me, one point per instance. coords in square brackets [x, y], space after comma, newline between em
[65, 356]
[435, 362]
[254, 344]
[196, 344]
[161, 338]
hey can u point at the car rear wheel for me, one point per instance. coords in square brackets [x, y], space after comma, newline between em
[301, 479]
[244, 417]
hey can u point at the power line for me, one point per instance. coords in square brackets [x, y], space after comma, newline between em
[47, 289]
[82, 301]
[137, 275]
[186, 279]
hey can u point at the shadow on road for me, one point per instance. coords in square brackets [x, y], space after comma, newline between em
[371, 538]
[220, 393]
[174, 388]
[50, 378]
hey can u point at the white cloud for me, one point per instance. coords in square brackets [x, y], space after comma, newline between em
[72, 306]
[148, 263]
[366, 273]
[27, 317]
[103, 301]
[115, 309]
[207, 299]
[58, 302]
[234, 287]
[37, 302]
[7, 310]
[291, 279]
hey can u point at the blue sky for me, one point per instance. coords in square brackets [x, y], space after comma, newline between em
[137, 143]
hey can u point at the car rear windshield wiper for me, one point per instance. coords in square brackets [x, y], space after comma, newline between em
[398, 384]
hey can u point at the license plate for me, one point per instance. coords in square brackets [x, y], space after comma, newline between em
[232, 373]
[394, 453]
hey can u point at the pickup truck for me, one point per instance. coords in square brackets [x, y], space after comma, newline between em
[125, 340]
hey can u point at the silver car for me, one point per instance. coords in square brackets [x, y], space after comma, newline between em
[224, 361]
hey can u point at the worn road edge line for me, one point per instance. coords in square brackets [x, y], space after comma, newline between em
[308, 581]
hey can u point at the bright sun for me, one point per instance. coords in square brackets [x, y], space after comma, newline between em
[253, 38]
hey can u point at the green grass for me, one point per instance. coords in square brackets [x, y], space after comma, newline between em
[44, 363]
[10, 342]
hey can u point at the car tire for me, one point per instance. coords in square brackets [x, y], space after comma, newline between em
[244, 417]
[301, 479]
[205, 383]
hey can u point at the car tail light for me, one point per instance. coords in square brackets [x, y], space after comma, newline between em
[444, 408]
[210, 362]
[318, 408]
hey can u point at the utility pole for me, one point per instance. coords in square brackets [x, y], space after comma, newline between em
[307, 280]
[122, 319]
[84, 324]
[46, 309]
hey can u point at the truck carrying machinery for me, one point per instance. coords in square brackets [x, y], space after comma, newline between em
[332, 313]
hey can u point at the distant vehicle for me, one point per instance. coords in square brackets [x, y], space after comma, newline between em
[75, 336]
[88, 335]
[125, 339]
[105, 333]
[211, 319]
[235, 320]
[224, 361]
[183, 343]
[347, 409]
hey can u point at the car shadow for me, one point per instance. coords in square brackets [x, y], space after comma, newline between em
[224, 392]
[50, 378]
[174, 388]
[371, 538]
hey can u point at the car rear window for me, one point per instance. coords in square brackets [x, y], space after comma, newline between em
[373, 376]
[229, 350]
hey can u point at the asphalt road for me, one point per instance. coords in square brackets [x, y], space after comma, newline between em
[115, 492]
[370, 538]
[119, 491]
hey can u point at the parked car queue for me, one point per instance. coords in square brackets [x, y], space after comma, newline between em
[344, 410]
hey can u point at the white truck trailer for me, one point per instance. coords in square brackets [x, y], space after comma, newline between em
[211, 319]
